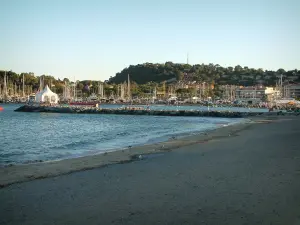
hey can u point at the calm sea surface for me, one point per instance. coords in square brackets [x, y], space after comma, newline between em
[27, 137]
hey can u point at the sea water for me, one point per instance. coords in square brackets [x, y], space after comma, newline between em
[31, 137]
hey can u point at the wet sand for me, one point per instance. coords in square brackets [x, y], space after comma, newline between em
[245, 174]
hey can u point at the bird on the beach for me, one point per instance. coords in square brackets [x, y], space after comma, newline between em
[140, 157]
[129, 146]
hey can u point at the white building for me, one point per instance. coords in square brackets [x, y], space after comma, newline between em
[255, 94]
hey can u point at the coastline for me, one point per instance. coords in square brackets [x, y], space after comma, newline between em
[244, 174]
[27, 172]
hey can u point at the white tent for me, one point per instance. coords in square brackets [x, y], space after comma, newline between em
[46, 95]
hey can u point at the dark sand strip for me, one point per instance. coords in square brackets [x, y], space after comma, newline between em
[252, 176]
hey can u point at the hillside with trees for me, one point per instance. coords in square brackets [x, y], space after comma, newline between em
[212, 73]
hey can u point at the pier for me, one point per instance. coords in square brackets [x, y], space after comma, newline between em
[140, 111]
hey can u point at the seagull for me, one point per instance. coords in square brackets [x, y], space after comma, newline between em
[129, 146]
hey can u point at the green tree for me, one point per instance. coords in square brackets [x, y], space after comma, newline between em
[179, 75]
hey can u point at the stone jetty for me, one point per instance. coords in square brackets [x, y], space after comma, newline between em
[141, 111]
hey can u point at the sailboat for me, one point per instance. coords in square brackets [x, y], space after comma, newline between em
[93, 97]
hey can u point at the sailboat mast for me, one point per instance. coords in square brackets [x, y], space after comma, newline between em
[128, 88]
[41, 83]
[23, 95]
[5, 87]
[74, 89]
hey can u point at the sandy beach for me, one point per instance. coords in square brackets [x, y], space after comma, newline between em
[243, 174]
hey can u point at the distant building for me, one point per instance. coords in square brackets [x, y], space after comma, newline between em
[225, 75]
[188, 77]
[247, 76]
[255, 94]
[291, 91]
[292, 78]
[172, 80]
[272, 94]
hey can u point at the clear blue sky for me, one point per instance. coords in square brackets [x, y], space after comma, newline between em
[94, 39]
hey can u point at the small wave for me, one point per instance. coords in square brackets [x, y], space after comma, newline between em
[123, 134]
[11, 154]
[75, 144]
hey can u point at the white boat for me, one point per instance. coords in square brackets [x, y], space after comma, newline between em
[31, 98]
[92, 97]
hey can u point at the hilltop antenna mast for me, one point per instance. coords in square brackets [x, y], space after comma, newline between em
[187, 58]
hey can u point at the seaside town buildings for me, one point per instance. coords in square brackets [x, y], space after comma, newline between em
[256, 94]
[291, 91]
[185, 90]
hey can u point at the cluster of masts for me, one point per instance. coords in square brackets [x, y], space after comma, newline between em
[123, 92]
[12, 89]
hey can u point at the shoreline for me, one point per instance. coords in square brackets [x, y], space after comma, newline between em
[26, 172]
[244, 174]
[154, 138]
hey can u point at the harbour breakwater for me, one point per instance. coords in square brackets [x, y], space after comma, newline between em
[141, 111]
